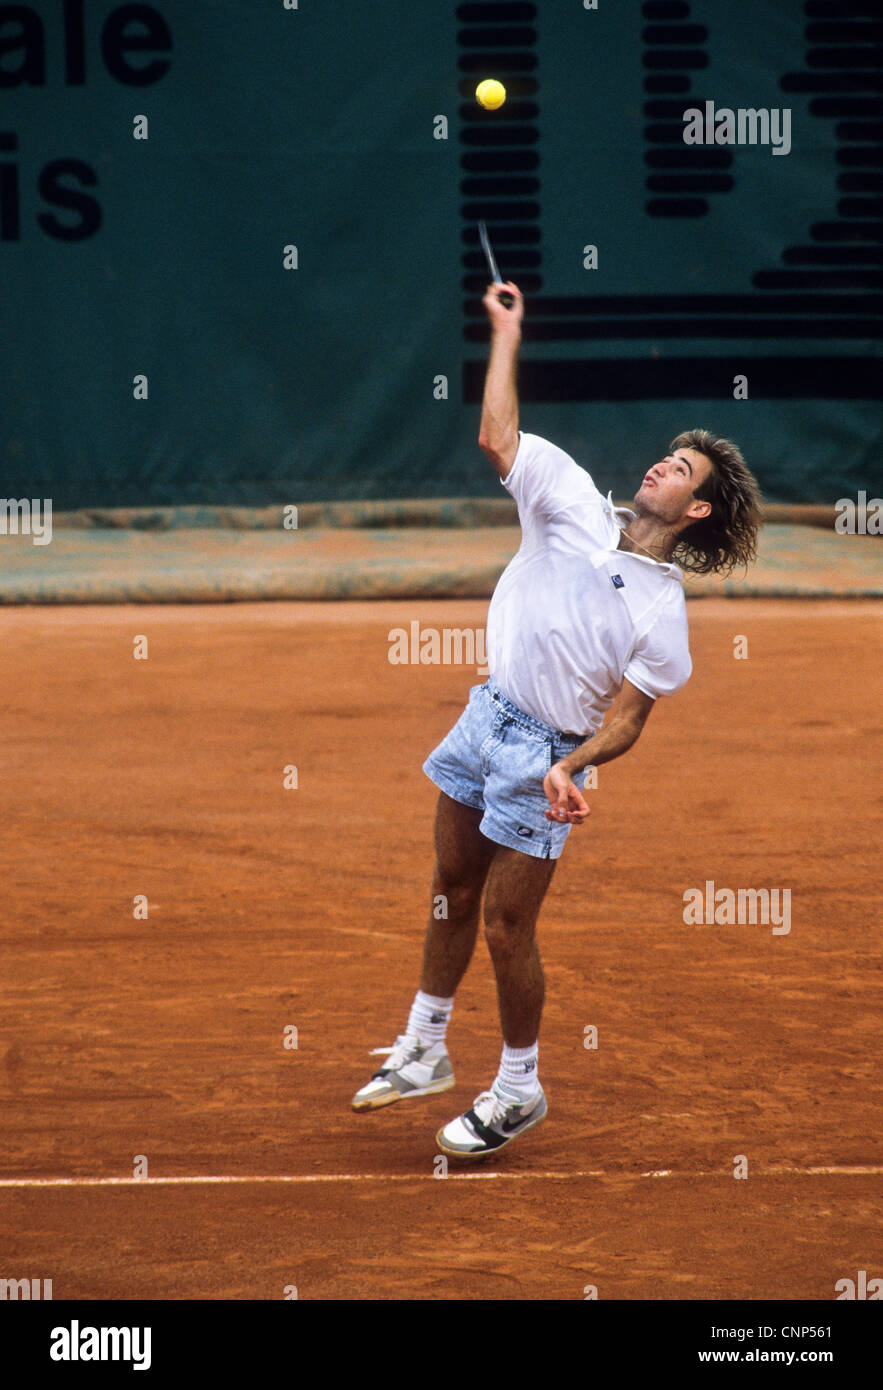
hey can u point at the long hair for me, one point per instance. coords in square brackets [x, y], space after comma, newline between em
[727, 537]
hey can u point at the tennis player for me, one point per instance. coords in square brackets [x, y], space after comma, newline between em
[590, 611]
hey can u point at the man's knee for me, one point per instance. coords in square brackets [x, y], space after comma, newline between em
[456, 895]
[508, 931]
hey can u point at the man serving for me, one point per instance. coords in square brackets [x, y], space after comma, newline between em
[590, 611]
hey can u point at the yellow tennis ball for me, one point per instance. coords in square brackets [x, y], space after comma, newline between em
[490, 93]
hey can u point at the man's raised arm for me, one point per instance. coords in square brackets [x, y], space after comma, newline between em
[498, 434]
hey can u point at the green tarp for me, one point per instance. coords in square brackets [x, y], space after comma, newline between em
[358, 373]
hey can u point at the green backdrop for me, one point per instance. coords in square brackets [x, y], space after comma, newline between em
[358, 374]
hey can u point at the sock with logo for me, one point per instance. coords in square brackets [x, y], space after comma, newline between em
[518, 1072]
[429, 1017]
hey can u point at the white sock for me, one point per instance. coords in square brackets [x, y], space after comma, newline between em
[429, 1017]
[519, 1071]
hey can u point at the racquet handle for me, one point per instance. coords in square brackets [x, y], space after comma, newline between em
[506, 299]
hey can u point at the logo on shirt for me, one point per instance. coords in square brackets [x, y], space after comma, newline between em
[618, 581]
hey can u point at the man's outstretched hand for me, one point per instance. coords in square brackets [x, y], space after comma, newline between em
[504, 320]
[566, 804]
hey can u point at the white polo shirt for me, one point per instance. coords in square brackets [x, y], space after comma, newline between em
[572, 615]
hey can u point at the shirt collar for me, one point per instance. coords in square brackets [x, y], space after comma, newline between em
[627, 515]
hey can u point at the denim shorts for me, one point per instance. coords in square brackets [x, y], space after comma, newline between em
[495, 758]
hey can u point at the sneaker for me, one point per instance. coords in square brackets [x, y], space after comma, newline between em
[496, 1118]
[413, 1069]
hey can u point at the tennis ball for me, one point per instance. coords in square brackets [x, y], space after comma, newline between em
[490, 93]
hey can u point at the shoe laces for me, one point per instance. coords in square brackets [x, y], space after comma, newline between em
[490, 1108]
[400, 1053]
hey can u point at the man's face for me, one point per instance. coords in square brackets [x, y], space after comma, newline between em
[668, 488]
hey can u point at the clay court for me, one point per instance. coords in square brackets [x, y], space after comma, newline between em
[272, 908]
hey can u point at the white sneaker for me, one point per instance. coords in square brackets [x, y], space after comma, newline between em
[494, 1121]
[414, 1068]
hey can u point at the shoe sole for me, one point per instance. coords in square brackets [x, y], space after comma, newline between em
[478, 1154]
[378, 1102]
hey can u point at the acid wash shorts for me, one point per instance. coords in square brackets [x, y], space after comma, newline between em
[495, 759]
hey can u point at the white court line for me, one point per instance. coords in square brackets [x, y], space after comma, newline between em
[210, 1180]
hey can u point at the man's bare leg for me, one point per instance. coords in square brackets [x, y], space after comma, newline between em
[516, 887]
[463, 858]
[515, 1103]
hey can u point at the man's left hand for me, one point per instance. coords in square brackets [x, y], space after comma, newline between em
[566, 804]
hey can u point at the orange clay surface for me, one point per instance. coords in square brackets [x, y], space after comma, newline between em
[304, 908]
